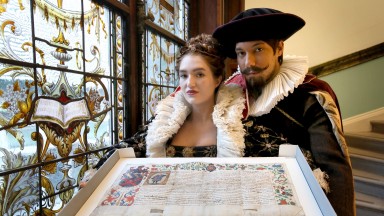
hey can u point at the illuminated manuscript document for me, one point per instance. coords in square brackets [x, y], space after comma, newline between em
[201, 188]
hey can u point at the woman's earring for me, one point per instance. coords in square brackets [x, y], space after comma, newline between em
[238, 68]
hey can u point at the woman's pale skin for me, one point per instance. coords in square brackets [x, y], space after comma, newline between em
[198, 86]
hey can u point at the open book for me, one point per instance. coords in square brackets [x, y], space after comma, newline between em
[51, 110]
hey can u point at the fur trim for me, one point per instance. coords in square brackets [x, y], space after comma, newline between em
[227, 115]
[172, 112]
[322, 179]
[170, 115]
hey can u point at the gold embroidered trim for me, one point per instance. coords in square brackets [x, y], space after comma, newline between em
[290, 117]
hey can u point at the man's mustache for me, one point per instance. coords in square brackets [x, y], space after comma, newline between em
[253, 69]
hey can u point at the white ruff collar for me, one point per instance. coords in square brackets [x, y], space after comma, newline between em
[292, 74]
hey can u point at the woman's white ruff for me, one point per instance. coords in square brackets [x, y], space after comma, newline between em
[292, 74]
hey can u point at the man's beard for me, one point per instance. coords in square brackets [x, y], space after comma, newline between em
[254, 84]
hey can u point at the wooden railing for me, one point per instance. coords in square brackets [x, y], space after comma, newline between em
[348, 61]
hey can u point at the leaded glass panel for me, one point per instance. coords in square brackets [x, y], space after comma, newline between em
[160, 55]
[99, 94]
[120, 116]
[119, 73]
[119, 37]
[58, 31]
[57, 81]
[28, 196]
[171, 15]
[56, 56]
[16, 94]
[152, 96]
[18, 147]
[100, 129]
[97, 60]
[186, 21]
[161, 78]
[16, 31]
[119, 94]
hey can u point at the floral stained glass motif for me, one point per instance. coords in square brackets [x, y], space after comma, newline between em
[16, 95]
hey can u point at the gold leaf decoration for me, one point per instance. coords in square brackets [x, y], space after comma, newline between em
[16, 86]
[23, 107]
[5, 105]
[80, 159]
[50, 168]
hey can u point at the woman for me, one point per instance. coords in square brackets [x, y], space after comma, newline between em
[202, 118]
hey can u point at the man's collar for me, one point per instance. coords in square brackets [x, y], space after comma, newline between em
[292, 74]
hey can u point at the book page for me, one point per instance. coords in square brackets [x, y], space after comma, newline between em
[199, 188]
[48, 110]
[76, 110]
[51, 110]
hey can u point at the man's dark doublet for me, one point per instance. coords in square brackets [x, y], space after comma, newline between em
[300, 119]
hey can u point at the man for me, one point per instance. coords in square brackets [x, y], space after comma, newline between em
[284, 104]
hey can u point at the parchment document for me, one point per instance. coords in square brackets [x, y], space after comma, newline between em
[198, 188]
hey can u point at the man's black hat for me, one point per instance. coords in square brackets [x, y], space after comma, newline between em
[257, 24]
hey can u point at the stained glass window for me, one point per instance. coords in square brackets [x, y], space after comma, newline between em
[160, 50]
[160, 79]
[68, 53]
[62, 59]
[171, 15]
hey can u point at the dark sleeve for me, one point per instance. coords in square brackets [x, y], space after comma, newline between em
[137, 142]
[328, 156]
[312, 83]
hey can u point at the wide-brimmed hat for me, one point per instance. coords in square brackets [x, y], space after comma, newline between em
[257, 24]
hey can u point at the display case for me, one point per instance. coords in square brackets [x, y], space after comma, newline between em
[126, 185]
